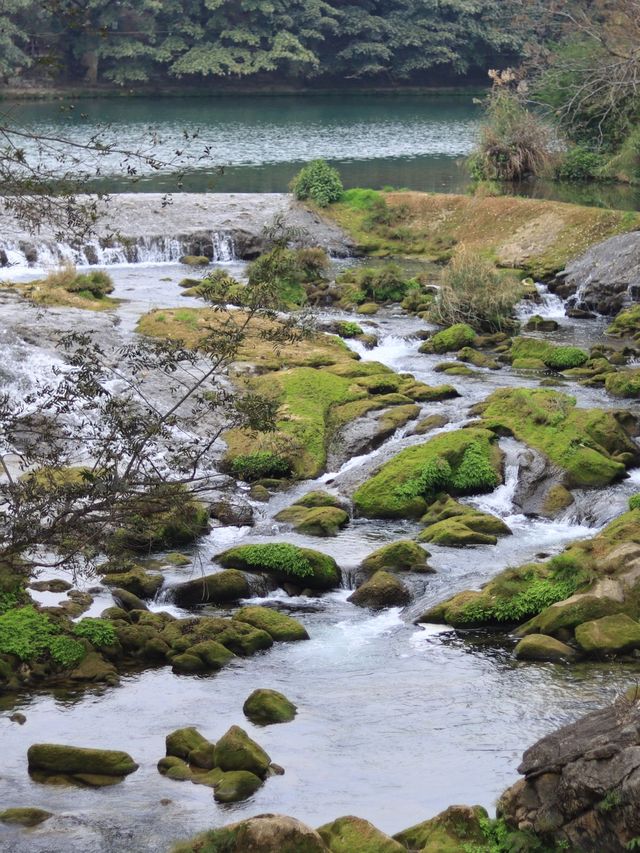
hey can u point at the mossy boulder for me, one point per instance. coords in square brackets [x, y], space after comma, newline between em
[626, 324]
[456, 533]
[137, 581]
[540, 647]
[318, 498]
[541, 324]
[262, 834]
[587, 444]
[453, 524]
[235, 786]
[175, 769]
[355, 835]
[381, 590]
[278, 625]
[610, 635]
[73, 761]
[567, 614]
[212, 654]
[454, 338]
[127, 600]
[556, 499]
[266, 707]
[430, 423]
[465, 461]
[624, 383]
[237, 751]
[195, 261]
[554, 357]
[220, 588]
[285, 563]
[402, 556]
[451, 831]
[94, 668]
[182, 742]
[24, 816]
[477, 358]
[322, 521]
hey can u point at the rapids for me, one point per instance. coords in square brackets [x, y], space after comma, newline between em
[395, 721]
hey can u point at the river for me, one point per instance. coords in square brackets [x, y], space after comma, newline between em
[395, 721]
[260, 142]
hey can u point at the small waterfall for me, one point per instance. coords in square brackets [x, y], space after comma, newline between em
[549, 306]
[500, 501]
[22, 256]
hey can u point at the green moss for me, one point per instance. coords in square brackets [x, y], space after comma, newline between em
[349, 329]
[626, 324]
[317, 498]
[66, 651]
[278, 625]
[58, 759]
[452, 831]
[624, 383]
[462, 462]
[262, 463]
[634, 502]
[616, 634]
[322, 521]
[355, 835]
[235, 786]
[25, 816]
[404, 555]
[453, 524]
[454, 338]
[585, 443]
[539, 647]
[286, 562]
[554, 357]
[30, 635]
[237, 751]
[266, 707]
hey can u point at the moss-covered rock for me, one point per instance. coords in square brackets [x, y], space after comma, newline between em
[318, 498]
[536, 323]
[381, 590]
[478, 358]
[402, 556]
[355, 835]
[451, 831]
[182, 742]
[235, 786]
[539, 647]
[175, 769]
[609, 635]
[554, 357]
[220, 588]
[453, 524]
[626, 324]
[212, 654]
[265, 707]
[430, 423]
[25, 816]
[278, 625]
[127, 600]
[556, 499]
[465, 461]
[237, 751]
[94, 668]
[454, 338]
[568, 613]
[624, 383]
[195, 261]
[286, 563]
[586, 443]
[322, 521]
[456, 533]
[58, 760]
[137, 581]
[262, 834]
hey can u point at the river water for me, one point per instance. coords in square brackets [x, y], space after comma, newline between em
[395, 721]
[260, 142]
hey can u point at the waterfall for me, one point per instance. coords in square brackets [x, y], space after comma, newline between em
[22, 256]
[549, 306]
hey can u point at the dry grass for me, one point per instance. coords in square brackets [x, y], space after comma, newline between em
[63, 287]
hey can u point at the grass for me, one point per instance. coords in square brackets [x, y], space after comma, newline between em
[67, 288]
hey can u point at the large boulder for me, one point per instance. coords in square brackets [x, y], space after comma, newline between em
[609, 635]
[286, 563]
[380, 591]
[539, 647]
[236, 785]
[403, 555]
[264, 707]
[267, 833]
[355, 835]
[277, 625]
[453, 830]
[581, 785]
[95, 767]
[220, 588]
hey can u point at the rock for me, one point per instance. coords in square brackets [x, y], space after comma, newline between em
[367, 308]
[137, 581]
[430, 423]
[187, 664]
[537, 478]
[381, 590]
[93, 667]
[570, 613]
[286, 563]
[539, 647]
[454, 338]
[401, 556]
[58, 760]
[581, 785]
[212, 654]
[127, 600]
[609, 635]
[624, 383]
[18, 718]
[541, 324]
[195, 261]
[322, 521]
[453, 830]
[355, 835]
[557, 499]
[259, 493]
[182, 742]
[25, 816]
[236, 785]
[456, 525]
[232, 514]
[174, 558]
[175, 769]
[220, 588]
[266, 833]
[265, 707]
[53, 585]
[319, 498]
[605, 274]
[278, 625]
[237, 751]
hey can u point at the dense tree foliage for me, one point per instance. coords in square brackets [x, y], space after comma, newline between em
[102, 41]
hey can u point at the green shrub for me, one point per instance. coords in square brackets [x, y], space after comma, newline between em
[262, 463]
[97, 283]
[578, 164]
[634, 502]
[319, 182]
[564, 358]
[349, 329]
[29, 635]
[99, 632]
[66, 651]
[312, 263]
[278, 557]
[375, 284]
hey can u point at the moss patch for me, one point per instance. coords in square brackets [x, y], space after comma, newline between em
[287, 563]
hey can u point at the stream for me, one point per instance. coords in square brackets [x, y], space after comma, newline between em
[395, 722]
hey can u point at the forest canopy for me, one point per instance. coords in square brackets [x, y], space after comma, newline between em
[118, 43]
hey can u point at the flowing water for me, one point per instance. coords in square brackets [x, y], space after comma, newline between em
[260, 142]
[395, 721]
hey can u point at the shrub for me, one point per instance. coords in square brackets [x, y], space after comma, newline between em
[376, 284]
[578, 164]
[29, 634]
[349, 329]
[312, 263]
[319, 182]
[262, 463]
[66, 651]
[99, 632]
[473, 291]
[634, 502]
[564, 358]
[514, 142]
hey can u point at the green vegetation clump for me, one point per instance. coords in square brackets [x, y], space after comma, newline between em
[552, 356]
[626, 323]
[373, 284]
[624, 383]
[349, 329]
[566, 357]
[277, 556]
[99, 632]
[260, 464]
[634, 502]
[29, 635]
[319, 182]
[465, 461]
[579, 164]
[454, 338]
[96, 283]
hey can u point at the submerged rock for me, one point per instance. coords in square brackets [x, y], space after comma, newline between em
[539, 647]
[91, 766]
[25, 816]
[381, 590]
[265, 707]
